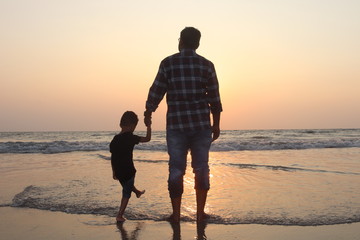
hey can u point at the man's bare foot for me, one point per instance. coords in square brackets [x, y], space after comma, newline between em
[200, 217]
[173, 219]
[139, 193]
[120, 219]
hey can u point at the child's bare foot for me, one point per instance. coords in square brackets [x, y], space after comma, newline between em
[139, 193]
[120, 219]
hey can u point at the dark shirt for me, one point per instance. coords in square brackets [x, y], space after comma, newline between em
[121, 148]
[192, 89]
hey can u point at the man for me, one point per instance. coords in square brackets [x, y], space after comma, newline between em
[192, 89]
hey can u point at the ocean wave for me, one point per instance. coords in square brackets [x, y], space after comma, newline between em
[264, 143]
[286, 168]
[89, 146]
[248, 166]
[256, 140]
[52, 147]
[45, 198]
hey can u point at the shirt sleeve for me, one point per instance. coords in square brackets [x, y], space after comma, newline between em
[136, 139]
[157, 90]
[213, 94]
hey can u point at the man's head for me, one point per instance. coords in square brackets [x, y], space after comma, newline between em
[129, 119]
[189, 38]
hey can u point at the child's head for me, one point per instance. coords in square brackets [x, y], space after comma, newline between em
[129, 119]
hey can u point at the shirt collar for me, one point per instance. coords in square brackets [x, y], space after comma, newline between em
[187, 52]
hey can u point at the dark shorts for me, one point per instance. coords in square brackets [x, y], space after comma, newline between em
[128, 187]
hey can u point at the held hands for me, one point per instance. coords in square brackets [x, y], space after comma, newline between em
[147, 119]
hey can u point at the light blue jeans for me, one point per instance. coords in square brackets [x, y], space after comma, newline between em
[179, 143]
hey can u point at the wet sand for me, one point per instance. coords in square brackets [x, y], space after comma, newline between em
[31, 224]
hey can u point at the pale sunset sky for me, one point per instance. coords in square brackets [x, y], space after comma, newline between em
[79, 64]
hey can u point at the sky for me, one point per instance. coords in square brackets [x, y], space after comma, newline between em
[77, 65]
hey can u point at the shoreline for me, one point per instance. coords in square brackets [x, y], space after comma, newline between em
[31, 224]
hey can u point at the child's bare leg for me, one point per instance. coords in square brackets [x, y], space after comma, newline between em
[124, 203]
[138, 192]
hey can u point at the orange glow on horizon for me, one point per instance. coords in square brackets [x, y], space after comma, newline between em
[78, 66]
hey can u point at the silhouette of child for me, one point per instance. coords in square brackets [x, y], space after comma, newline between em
[121, 148]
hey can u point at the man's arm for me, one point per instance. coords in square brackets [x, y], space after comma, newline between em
[213, 97]
[155, 95]
[216, 126]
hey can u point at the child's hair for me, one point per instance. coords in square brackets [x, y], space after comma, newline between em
[128, 118]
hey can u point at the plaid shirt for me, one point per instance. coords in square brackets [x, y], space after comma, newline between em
[192, 91]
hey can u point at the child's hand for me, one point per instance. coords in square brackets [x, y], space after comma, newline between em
[147, 120]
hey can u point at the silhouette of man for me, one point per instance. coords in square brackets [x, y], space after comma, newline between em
[192, 89]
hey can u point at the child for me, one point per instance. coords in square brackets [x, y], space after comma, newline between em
[121, 148]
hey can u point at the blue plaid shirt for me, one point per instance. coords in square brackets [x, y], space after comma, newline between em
[192, 89]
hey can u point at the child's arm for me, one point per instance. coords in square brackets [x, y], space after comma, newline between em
[114, 176]
[112, 168]
[148, 135]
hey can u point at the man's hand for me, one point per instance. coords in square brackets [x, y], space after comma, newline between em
[216, 125]
[147, 118]
[215, 132]
[147, 121]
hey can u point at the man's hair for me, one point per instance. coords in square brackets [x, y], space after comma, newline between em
[128, 118]
[190, 37]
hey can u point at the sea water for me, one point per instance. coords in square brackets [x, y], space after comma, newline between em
[278, 177]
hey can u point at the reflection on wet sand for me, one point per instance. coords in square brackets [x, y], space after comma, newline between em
[176, 227]
[134, 234]
[200, 228]
[200, 231]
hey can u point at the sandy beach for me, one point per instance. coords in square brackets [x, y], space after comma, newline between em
[59, 186]
[31, 224]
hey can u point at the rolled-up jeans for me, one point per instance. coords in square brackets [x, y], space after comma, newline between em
[179, 143]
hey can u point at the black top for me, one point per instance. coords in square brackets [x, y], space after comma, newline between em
[121, 148]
